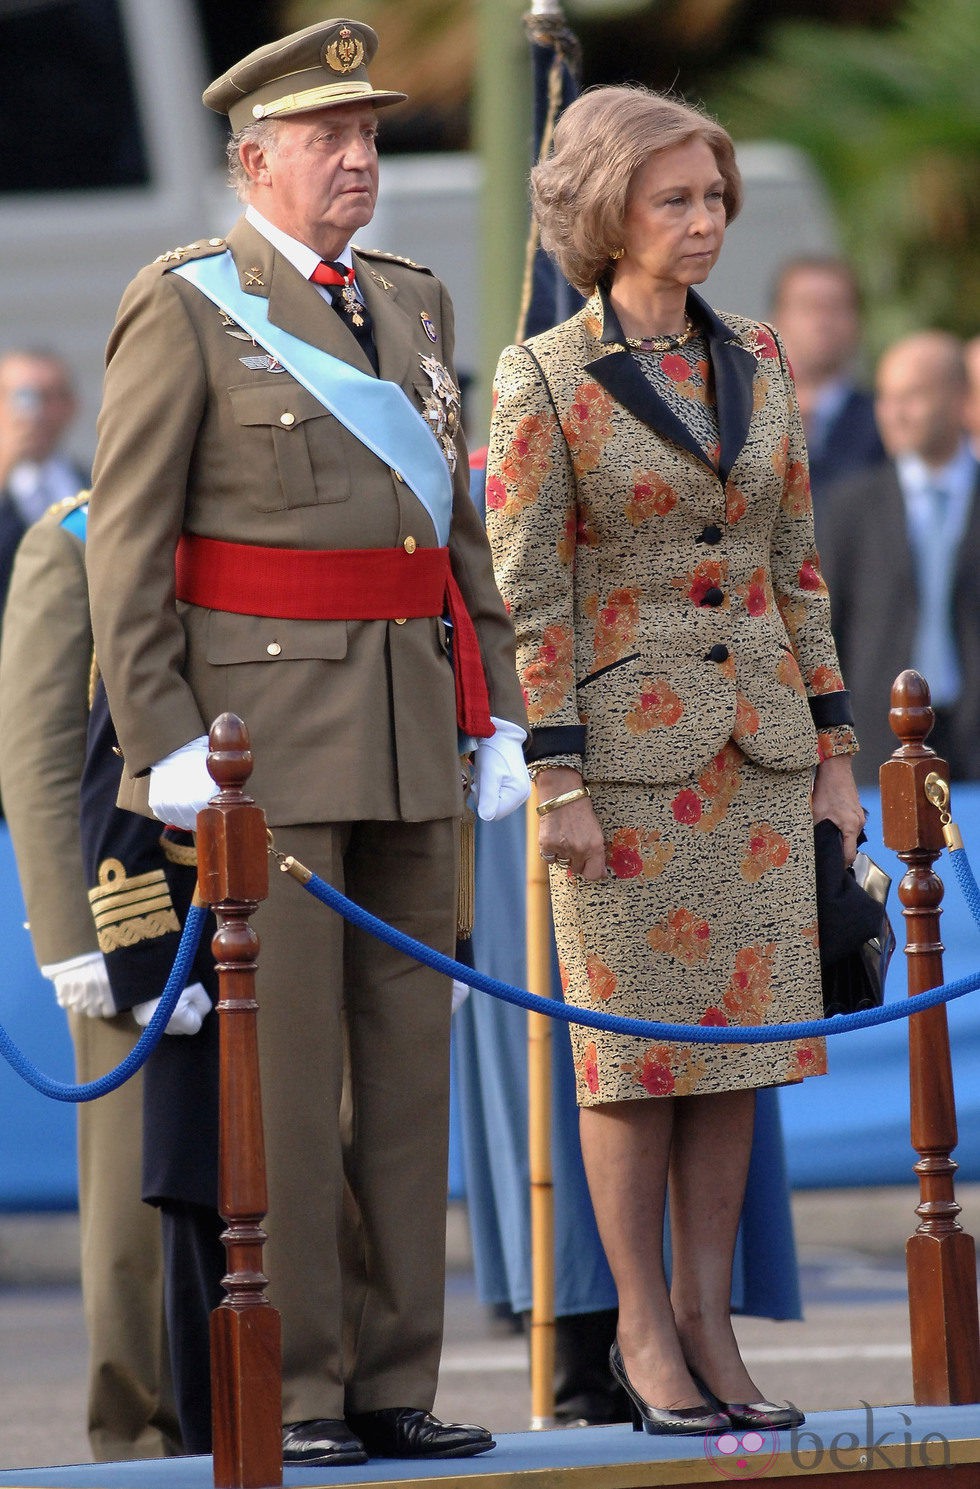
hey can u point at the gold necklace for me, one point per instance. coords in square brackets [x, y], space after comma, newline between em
[663, 343]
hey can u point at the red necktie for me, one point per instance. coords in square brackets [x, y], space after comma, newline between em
[339, 280]
[332, 275]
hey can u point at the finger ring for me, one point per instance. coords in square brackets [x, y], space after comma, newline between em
[563, 862]
[548, 857]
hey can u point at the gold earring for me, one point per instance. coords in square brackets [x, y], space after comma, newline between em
[617, 253]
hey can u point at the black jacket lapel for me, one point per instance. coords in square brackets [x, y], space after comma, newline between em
[734, 369]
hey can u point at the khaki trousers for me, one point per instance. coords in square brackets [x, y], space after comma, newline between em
[131, 1412]
[320, 984]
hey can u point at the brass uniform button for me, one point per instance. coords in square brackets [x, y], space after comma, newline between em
[398, 476]
[287, 419]
[409, 544]
[273, 648]
[400, 620]
[216, 242]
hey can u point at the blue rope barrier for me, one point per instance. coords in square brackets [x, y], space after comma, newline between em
[145, 1045]
[841, 1023]
[642, 1028]
[966, 881]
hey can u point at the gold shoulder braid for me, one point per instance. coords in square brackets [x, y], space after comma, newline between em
[130, 910]
[184, 854]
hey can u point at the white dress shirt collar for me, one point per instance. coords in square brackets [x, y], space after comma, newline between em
[302, 257]
[957, 477]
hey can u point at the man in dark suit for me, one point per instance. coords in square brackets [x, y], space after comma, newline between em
[281, 429]
[816, 307]
[900, 550]
[37, 405]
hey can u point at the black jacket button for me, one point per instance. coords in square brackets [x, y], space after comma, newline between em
[710, 534]
[718, 653]
[713, 596]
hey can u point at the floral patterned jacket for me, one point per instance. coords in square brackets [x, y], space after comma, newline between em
[666, 599]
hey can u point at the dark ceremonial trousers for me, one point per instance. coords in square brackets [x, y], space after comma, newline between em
[140, 862]
[180, 1130]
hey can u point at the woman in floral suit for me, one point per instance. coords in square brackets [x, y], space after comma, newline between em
[648, 505]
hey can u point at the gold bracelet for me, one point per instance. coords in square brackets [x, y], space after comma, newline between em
[563, 800]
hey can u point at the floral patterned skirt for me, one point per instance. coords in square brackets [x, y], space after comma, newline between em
[708, 917]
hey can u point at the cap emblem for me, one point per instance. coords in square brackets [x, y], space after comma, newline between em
[346, 53]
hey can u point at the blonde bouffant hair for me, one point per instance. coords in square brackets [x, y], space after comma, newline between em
[580, 193]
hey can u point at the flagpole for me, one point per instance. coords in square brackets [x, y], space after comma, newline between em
[538, 930]
[502, 125]
[545, 15]
[503, 100]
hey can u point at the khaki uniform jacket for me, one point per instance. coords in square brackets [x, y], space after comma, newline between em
[45, 665]
[348, 720]
[662, 605]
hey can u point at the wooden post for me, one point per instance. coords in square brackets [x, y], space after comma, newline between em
[246, 1368]
[940, 1257]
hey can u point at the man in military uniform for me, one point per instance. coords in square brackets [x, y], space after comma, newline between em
[280, 431]
[45, 666]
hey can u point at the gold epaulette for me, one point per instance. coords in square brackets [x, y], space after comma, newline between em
[67, 504]
[201, 249]
[389, 258]
[130, 910]
[94, 673]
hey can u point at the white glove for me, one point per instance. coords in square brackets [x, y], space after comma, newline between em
[180, 785]
[461, 992]
[192, 1008]
[500, 780]
[82, 984]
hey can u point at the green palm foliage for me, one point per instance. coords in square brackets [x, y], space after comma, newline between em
[891, 119]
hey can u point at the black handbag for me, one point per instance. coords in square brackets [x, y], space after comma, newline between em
[856, 937]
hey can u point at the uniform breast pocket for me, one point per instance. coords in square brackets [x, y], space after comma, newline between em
[309, 449]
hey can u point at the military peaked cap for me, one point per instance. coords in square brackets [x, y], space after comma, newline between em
[322, 67]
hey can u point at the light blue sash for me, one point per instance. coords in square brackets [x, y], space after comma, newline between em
[376, 412]
[76, 521]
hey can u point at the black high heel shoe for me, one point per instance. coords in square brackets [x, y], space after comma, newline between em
[691, 1420]
[765, 1416]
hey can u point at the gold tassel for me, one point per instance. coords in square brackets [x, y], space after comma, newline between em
[466, 880]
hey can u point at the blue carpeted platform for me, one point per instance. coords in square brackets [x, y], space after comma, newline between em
[867, 1439]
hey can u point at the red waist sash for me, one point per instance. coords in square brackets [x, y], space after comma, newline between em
[339, 584]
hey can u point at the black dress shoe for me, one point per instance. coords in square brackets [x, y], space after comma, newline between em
[407, 1432]
[765, 1416]
[323, 1442]
[666, 1420]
